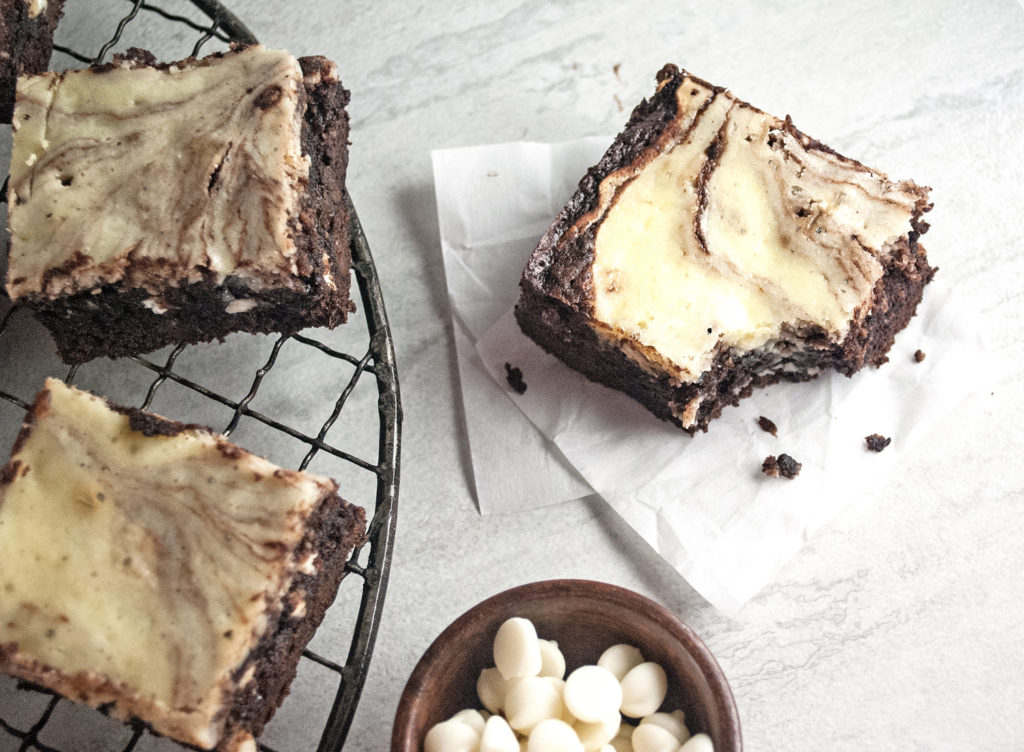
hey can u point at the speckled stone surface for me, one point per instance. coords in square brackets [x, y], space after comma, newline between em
[899, 626]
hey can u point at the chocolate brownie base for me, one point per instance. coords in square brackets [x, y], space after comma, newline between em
[26, 44]
[119, 319]
[556, 305]
[115, 322]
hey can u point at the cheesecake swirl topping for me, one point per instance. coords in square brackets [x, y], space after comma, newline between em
[736, 230]
[143, 562]
[121, 172]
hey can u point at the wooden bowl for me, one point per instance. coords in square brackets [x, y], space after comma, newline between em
[584, 618]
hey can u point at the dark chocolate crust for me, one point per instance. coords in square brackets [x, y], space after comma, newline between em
[113, 320]
[556, 296]
[333, 531]
[26, 45]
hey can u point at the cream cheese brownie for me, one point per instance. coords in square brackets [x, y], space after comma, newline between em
[161, 571]
[26, 43]
[153, 204]
[716, 248]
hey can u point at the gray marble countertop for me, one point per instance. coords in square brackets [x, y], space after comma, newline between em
[900, 624]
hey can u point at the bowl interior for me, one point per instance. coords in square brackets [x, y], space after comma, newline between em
[584, 618]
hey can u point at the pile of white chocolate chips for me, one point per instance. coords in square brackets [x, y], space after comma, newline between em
[531, 706]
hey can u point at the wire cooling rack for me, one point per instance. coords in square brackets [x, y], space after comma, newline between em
[30, 724]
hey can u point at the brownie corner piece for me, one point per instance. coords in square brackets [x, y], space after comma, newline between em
[156, 570]
[225, 213]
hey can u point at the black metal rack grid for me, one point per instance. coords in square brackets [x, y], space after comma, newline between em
[370, 562]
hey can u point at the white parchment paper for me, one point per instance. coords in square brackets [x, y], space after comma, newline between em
[701, 502]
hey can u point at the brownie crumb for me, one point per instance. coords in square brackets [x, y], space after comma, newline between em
[515, 378]
[876, 442]
[919, 355]
[768, 426]
[782, 466]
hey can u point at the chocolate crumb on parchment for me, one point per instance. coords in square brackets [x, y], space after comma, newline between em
[876, 442]
[515, 378]
[919, 355]
[768, 426]
[782, 466]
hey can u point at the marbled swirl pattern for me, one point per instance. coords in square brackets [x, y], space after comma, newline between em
[123, 173]
[736, 227]
[151, 563]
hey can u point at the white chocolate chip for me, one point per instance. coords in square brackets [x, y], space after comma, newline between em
[472, 718]
[240, 305]
[592, 693]
[619, 659]
[559, 685]
[623, 740]
[498, 736]
[491, 688]
[531, 700]
[698, 743]
[451, 736]
[516, 649]
[596, 734]
[552, 662]
[643, 689]
[654, 738]
[553, 735]
[675, 722]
